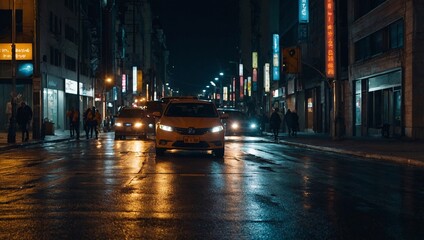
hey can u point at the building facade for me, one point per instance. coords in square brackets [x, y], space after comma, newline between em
[63, 39]
[385, 68]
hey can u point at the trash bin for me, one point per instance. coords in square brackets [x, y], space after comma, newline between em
[49, 127]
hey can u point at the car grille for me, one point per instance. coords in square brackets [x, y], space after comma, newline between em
[192, 131]
[201, 144]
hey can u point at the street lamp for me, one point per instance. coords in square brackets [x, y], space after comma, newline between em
[221, 74]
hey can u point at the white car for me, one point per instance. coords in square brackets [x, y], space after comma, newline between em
[190, 124]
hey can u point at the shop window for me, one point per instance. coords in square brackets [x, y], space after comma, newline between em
[358, 103]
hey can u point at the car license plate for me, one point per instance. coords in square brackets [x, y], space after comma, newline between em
[191, 140]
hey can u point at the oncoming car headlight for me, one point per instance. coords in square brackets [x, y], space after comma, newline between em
[253, 125]
[165, 128]
[234, 125]
[118, 124]
[217, 129]
[138, 124]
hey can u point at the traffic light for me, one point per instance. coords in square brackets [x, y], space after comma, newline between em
[291, 60]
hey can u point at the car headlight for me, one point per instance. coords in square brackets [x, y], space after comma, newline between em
[118, 124]
[253, 125]
[138, 124]
[165, 128]
[234, 125]
[217, 129]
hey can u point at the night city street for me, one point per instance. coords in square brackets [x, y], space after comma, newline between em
[106, 189]
[212, 119]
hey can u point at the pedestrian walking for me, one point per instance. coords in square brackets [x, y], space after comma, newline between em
[97, 122]
[275, 122]
[288, 119]
[23, 118]
[87, 117]
[92, 123]
[76, 122]
[295, 122]
[70, 116]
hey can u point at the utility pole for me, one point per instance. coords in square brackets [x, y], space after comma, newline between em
[78, 69]
[11, 136]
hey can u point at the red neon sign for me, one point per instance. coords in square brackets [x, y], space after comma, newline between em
[330, 56]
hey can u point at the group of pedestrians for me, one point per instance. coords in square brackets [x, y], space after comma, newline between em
[91, 122]
[92, 119]
[291, 119]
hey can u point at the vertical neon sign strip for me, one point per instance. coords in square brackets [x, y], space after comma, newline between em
[303, 11]
[266, 77]
[124, 83]
[241, 80]
[134, 71]
[276, 57]
[330, 56]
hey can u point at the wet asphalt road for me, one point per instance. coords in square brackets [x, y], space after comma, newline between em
[106, 189]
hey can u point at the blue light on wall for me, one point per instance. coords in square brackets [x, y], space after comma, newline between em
[276, 57]
[25, 70]
[303, 11]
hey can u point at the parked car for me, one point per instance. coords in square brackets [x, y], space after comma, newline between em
[150, 108]
[130, 121]
[190, 124]
[238, 123]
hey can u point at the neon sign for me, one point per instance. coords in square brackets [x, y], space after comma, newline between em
[303, 11]
[330, 53]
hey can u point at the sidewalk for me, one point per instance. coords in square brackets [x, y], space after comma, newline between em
[57, 137]
[385, 149]
[402, 151]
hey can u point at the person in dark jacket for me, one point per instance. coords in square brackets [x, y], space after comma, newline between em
[275, 122]
[288, 119]
[23, 118]
[295, 122]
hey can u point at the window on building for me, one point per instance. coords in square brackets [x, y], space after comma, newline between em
[377, 43]
[396, 34]
[390, 37]
[55, 24]
[70, 63]
[362, 7]
[6, 21]
[55, 57]
[70, 4]
[70, 33]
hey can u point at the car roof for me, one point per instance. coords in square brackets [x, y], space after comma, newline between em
[167, 99]
[185, 100]
[229, 110]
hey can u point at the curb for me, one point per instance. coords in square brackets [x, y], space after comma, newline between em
[396, 159]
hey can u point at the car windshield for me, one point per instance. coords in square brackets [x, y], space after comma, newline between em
[153, 106]
[131, 113]
[235, 115]
[191, 110]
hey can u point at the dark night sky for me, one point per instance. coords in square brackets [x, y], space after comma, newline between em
[201, 36]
